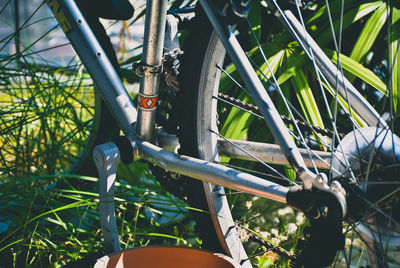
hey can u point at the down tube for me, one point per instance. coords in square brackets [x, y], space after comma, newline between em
[96, 63]
[260, 95]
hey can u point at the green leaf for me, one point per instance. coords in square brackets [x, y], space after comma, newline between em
[358, 70]
[295, 59]
[369, 33]
[307, 101]
[343, 103]
[395, 60]
[255, 17]
[324, 34]
[335, 7]
[274, 62]
[290, 173]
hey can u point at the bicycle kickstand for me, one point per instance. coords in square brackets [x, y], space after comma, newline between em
[107, 157]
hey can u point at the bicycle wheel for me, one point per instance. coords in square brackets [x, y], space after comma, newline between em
[220, 123]
[51, 116]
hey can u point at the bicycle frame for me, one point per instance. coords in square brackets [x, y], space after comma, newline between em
[139, 126]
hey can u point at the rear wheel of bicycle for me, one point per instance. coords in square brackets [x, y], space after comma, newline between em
[221, 124]
[51, 116]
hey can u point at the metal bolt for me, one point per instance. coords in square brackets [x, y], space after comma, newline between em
[217, 188]
[336, 186]
[318, 212]
[175, 176]
[324, 211]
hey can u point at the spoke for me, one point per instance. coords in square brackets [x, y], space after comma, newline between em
[18, 29]
[267, 244]
[234, 80]
[380, 183]
[378, 250]
[13, 57]
[45, 50]
[4, 7]
[384, 198]
[361, 236]
[254, 256]
[333, 119]
[373, 155]
[351, 247]
[309, 52]
[388, 234]
[377, 210]
[292, 119]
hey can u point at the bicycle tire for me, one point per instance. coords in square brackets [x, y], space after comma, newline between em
[51, 116]
[201, 109]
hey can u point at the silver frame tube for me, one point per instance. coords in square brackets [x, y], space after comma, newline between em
[154, 32]
[269, 153]
[98, 65]
[260, 95]
[211, 172]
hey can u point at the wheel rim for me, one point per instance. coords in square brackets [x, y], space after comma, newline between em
[217, 198]
[47, 99]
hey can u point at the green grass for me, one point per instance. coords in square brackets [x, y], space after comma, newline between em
[47, 221]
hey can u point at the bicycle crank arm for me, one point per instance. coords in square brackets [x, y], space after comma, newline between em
[107, 157]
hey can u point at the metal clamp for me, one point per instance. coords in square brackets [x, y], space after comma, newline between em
[142, 69]
[171, 47]
[107, 157]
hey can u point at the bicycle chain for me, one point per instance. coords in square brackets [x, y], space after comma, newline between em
[287, 120]
[171, 70]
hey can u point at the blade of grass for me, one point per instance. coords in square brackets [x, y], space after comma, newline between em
[359, 71]
[344, 104]
[306, 99]
[369, 33]
[395, 60]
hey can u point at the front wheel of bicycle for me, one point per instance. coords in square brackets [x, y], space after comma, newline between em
[220, 123]
[51, 117]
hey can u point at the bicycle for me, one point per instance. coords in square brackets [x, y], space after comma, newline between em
[341, 174]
